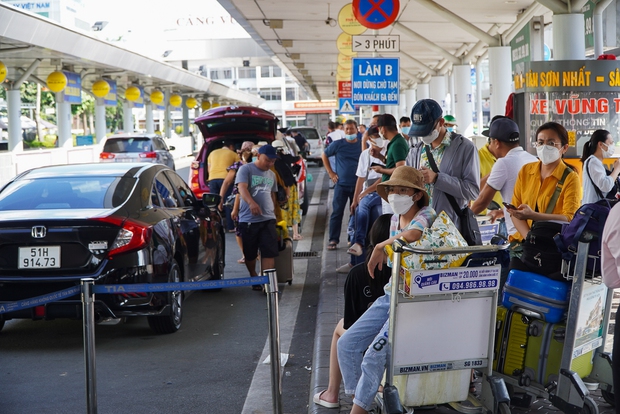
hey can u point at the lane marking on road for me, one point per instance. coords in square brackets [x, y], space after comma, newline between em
[259, 400]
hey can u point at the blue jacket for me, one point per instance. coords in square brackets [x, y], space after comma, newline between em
[459, 174]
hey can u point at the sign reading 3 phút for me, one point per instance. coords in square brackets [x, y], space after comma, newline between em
[375, 81]
[378, 43]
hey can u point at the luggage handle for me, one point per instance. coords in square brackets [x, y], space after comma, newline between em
[528, 312]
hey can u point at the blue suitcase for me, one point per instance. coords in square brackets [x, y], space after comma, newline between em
[536, 295]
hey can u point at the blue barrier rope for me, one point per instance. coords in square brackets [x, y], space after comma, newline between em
[39, 300]
[129, 288]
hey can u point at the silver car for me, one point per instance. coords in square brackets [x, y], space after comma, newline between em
[313, 137]
[137, 148]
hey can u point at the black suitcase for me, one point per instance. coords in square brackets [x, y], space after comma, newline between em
[284, 261]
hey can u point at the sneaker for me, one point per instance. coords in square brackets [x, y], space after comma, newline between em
[344, 268]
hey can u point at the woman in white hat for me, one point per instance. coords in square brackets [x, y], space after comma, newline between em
[362, 352]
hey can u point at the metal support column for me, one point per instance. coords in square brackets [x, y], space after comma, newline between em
[463, 99]
[274, 339]
[437, 88]
[88, 322]
[148, 117]
[100, 124]
[423, 91]
[14, 103]
[63, 119]
[569, 37]
[500, 81]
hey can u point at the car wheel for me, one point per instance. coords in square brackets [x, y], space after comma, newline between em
[166, 324]
[305, 203]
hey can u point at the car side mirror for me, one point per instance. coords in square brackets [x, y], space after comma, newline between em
[211, 200]
[171, 148]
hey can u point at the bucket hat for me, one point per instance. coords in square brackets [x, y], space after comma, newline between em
[404, 176]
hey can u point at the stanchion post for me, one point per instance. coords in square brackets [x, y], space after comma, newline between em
[88, 320]
[274, 340]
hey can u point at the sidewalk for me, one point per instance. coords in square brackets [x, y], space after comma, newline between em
[330, 310]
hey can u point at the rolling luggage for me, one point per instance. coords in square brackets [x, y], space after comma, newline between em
[543, 354]
[536, 295]
[284, 261]
[510, 342]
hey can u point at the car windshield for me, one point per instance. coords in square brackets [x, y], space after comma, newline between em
[309, 133]
[117, 145]
[66, 192]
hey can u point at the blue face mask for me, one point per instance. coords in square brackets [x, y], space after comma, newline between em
[351, 137]
[405, 130]
[254, 159]
[450, 129]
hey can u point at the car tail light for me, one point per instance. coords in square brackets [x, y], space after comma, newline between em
[106, 156]
[133, 235]
[193, 176]
[150, 154]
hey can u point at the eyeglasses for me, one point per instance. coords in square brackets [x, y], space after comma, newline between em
[537, 144]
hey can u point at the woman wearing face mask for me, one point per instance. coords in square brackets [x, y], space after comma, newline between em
[597, 180]
[537, 182]
[362, 352]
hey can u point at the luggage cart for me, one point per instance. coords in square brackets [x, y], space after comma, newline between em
[439, 332]
[584, 340]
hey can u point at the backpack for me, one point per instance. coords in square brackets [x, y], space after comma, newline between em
[586, 226]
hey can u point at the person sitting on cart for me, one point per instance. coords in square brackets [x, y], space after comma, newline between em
[362, 349]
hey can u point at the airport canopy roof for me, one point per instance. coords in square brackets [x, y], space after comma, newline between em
[26, 37]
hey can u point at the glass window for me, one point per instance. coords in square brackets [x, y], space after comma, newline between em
[264, 72]
[185, 194]
[118, 145]
[277, 72]
[271, 94]
[166, 192]
[247, 73]
[290, 94]
[62, 193]
[214, 74]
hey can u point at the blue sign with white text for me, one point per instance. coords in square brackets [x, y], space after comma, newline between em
[375, 81]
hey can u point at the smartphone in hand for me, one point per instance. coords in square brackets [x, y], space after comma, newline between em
[376, 164]
[508, 205]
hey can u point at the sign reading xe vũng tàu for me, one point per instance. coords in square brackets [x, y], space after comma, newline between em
[583, 96]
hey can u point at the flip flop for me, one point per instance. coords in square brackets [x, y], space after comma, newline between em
[317, 400]
[241, 261]
[298, 237]
[332, 246]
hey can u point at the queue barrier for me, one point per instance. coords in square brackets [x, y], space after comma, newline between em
[87, 289]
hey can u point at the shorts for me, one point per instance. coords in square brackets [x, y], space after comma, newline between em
[259, 236]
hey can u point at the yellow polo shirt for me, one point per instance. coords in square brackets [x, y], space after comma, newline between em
[487, 160]
[218, 161]
[531, 191]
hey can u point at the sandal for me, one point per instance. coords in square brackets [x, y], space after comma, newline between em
[298, 237]
[241, 261]
[332, 245]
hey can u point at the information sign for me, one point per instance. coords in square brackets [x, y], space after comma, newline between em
[375, 81]
[378, 43]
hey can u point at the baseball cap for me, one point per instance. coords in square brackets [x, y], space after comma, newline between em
[386, 120]
[449, 119]
[504, 129]
[486, 131]
[423, 116]
[268, 150]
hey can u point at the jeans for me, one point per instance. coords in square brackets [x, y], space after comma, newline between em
[367, 211]
[362, 372]
[342, 194]
[214, 188]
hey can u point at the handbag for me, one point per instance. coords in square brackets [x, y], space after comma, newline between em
[469, 225]
[540, 253]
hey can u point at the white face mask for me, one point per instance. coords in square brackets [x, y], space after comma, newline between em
[548, 154]
[430, 138]
[609, 152]
[400, 203]
[378, 142]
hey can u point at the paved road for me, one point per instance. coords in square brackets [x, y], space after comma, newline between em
[212, 365]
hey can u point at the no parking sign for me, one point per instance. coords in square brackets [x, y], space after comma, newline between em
[376, 14]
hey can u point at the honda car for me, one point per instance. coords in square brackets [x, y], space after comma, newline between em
[116, 223]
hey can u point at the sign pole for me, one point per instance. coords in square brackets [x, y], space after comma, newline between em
[274, 340]
[88, 321]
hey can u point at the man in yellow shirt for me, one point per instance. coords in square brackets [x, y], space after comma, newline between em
[217, 163]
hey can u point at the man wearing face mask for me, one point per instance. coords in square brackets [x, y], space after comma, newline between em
[405, 126]
[450, 123]
[346, 152]
[455, 156]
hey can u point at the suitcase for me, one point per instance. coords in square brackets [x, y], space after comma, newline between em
[510, 342]
[284, 262]
[543, 354]
[536, 295]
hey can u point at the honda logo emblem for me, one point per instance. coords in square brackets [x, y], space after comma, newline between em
[38, 232]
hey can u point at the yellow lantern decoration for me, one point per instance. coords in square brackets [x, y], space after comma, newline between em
[3, 72]
[205, 105]
[56, 81]
[101, 88]
[176, 100]
[132, 93]
[157, 97]
[191, 103]
[215, 105]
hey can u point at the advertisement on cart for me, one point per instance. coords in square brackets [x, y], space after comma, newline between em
[590, 319]
[452, 280]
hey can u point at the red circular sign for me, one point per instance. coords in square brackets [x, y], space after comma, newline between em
[376, 14]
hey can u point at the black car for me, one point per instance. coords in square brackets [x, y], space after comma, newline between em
[118, 223]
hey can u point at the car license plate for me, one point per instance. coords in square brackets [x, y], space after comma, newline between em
[40, 257]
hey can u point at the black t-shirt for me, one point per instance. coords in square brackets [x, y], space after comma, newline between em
[300, 141]
[359, 294]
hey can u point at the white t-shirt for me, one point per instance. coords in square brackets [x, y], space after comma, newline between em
[336, 135]
[599, 176]
[503, 177]
[363, 167]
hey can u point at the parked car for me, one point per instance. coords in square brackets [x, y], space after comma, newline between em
[116, 223]
[137, 148]
[313, 137]
[237, 123]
